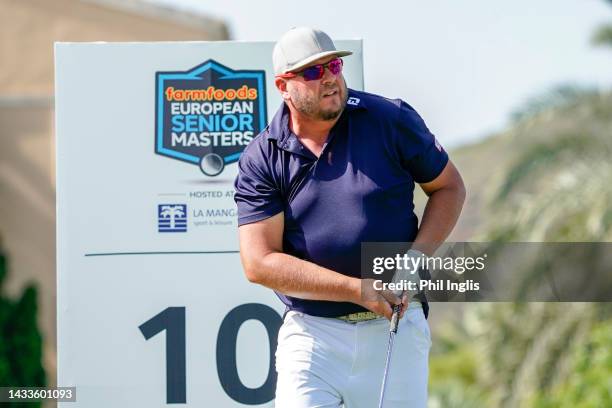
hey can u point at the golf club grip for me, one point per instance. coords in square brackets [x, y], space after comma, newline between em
[395, 318]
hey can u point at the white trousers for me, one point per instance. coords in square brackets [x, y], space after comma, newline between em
[324, 363]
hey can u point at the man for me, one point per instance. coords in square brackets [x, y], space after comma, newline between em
[335, 168]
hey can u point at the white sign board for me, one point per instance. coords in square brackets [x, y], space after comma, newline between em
[152, 304]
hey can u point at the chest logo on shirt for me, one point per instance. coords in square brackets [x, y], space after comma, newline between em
[353, 101]
[206, 116]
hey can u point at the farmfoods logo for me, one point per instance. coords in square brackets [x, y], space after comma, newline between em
[207, 115]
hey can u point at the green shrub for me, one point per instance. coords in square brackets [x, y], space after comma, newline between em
[20, 340]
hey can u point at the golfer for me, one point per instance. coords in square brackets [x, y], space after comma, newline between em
[335, 168]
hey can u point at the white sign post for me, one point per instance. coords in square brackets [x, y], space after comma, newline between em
[152, 304]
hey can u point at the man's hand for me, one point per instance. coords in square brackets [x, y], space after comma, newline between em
[414, 260]
[380, 302]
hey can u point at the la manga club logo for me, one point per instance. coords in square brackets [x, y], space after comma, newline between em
[172, 217]
[206, 116]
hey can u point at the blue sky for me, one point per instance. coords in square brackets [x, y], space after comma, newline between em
[464, 65]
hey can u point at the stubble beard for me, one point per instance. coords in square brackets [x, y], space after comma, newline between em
[309, 105]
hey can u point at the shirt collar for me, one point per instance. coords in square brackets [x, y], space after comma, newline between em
[278, 128]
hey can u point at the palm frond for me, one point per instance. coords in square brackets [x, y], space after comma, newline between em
[603, 36]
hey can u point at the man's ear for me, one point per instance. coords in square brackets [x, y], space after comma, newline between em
[281, 85]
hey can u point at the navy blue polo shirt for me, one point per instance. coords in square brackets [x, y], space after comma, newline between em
[360, 189]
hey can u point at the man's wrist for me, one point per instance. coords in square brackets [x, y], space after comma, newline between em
[415, 252]
[407, 276]
[354, 294]
[413, 261]
[426, 249]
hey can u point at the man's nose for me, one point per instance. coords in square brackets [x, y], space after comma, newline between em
[328, 77]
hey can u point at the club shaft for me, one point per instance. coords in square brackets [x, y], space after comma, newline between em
[386, 374]
[392, 333]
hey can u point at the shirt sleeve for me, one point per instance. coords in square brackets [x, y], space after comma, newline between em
[257, 195]
[421, 154]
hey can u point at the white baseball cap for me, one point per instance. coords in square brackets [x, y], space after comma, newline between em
[299, 47]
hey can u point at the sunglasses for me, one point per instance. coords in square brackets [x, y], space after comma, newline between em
[316, 71]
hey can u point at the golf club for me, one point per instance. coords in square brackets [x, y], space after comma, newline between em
[392, 332]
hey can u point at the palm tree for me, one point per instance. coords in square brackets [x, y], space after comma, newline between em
[557, 192]
[541, 354]
[603, 34]
[172, 211]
